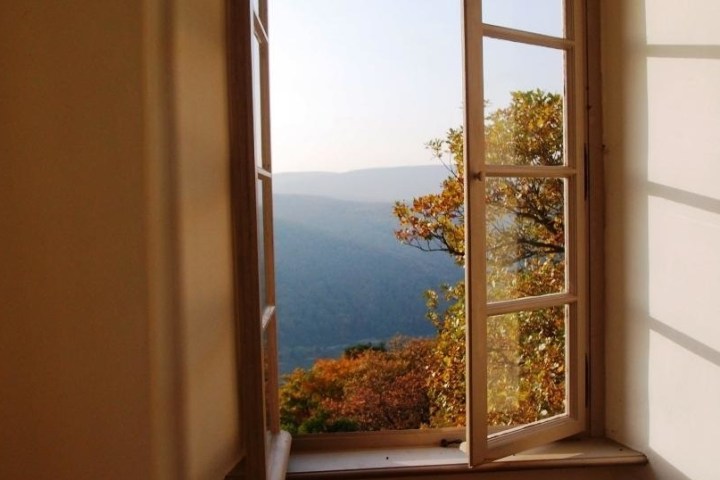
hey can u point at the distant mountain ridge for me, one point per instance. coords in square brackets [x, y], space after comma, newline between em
[367, 185]
[342, 278]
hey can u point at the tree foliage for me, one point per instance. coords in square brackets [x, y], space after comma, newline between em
[415, 382]
[368, 388]
[525, 257]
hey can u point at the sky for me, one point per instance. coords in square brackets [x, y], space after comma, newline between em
[367, 83]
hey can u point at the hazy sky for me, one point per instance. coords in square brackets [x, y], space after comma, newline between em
[366, 83]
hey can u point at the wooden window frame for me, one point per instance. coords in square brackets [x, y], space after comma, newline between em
[264, 448]
[258, 442]
[483, 445]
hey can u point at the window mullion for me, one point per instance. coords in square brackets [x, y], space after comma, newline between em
[530, 303]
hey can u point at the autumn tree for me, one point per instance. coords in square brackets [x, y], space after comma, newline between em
[412, 383]
[368, 388]
[525, 257]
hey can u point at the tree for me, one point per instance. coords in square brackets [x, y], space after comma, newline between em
[525, 257]
[368, 388]
[412, 383]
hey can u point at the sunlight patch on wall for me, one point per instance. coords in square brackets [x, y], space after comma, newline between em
[684, 123]
[683, 427]
[684, 269]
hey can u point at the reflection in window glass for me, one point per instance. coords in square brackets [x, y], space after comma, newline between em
[525, 237]
[538, 16]
[257, 101]
[529, 132]
[526, 367]
[267, 377]
[261, 246]
[524, 87]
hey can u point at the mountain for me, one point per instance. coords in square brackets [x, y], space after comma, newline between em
[369, 185]
[342, 278]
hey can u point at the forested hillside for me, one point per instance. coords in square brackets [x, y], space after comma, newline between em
[343, 278]
[367, 185]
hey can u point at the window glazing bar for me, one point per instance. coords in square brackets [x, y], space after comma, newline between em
[530, 303]
[521, 36]
[543, 171]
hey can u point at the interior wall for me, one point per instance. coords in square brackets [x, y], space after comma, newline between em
[74, 352]
[117, 356]
[210, 385]
[661, 68]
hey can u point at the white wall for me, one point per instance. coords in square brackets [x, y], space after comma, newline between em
[661, 67]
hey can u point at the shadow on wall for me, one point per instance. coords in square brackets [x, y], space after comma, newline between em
[662, 69]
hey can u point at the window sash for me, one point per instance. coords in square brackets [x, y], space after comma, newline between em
[252, 212]
[512, 440]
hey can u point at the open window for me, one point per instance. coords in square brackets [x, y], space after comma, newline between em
[264, 448]
[525, 227]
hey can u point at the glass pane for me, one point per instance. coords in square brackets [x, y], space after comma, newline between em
[261, 246]
[526, 367]
[538, 16]
[524, 87]
[257, 100]
[267, 378]
[525, 237]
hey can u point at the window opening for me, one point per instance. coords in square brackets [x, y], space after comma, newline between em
[356, 348]
[508, 337]
[525, 227]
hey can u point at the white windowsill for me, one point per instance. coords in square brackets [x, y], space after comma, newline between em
[279, 455]
[277, 460]
[378, 463]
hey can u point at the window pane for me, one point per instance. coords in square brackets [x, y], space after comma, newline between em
[267, 360]
[257, 100]
[270, 379]
[524, 118]
[261, 246]
[525, 237]
[539, 16]
[526, 367]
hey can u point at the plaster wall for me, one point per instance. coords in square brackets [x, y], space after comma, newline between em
[116, 316]
[210, 409]
[661, 68]
[74, 345]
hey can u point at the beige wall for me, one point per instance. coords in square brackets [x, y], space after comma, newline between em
[116, 353]
[210, 390]
[662, 118]
[74, 361]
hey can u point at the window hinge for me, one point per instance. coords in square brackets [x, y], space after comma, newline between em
[586, 164]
